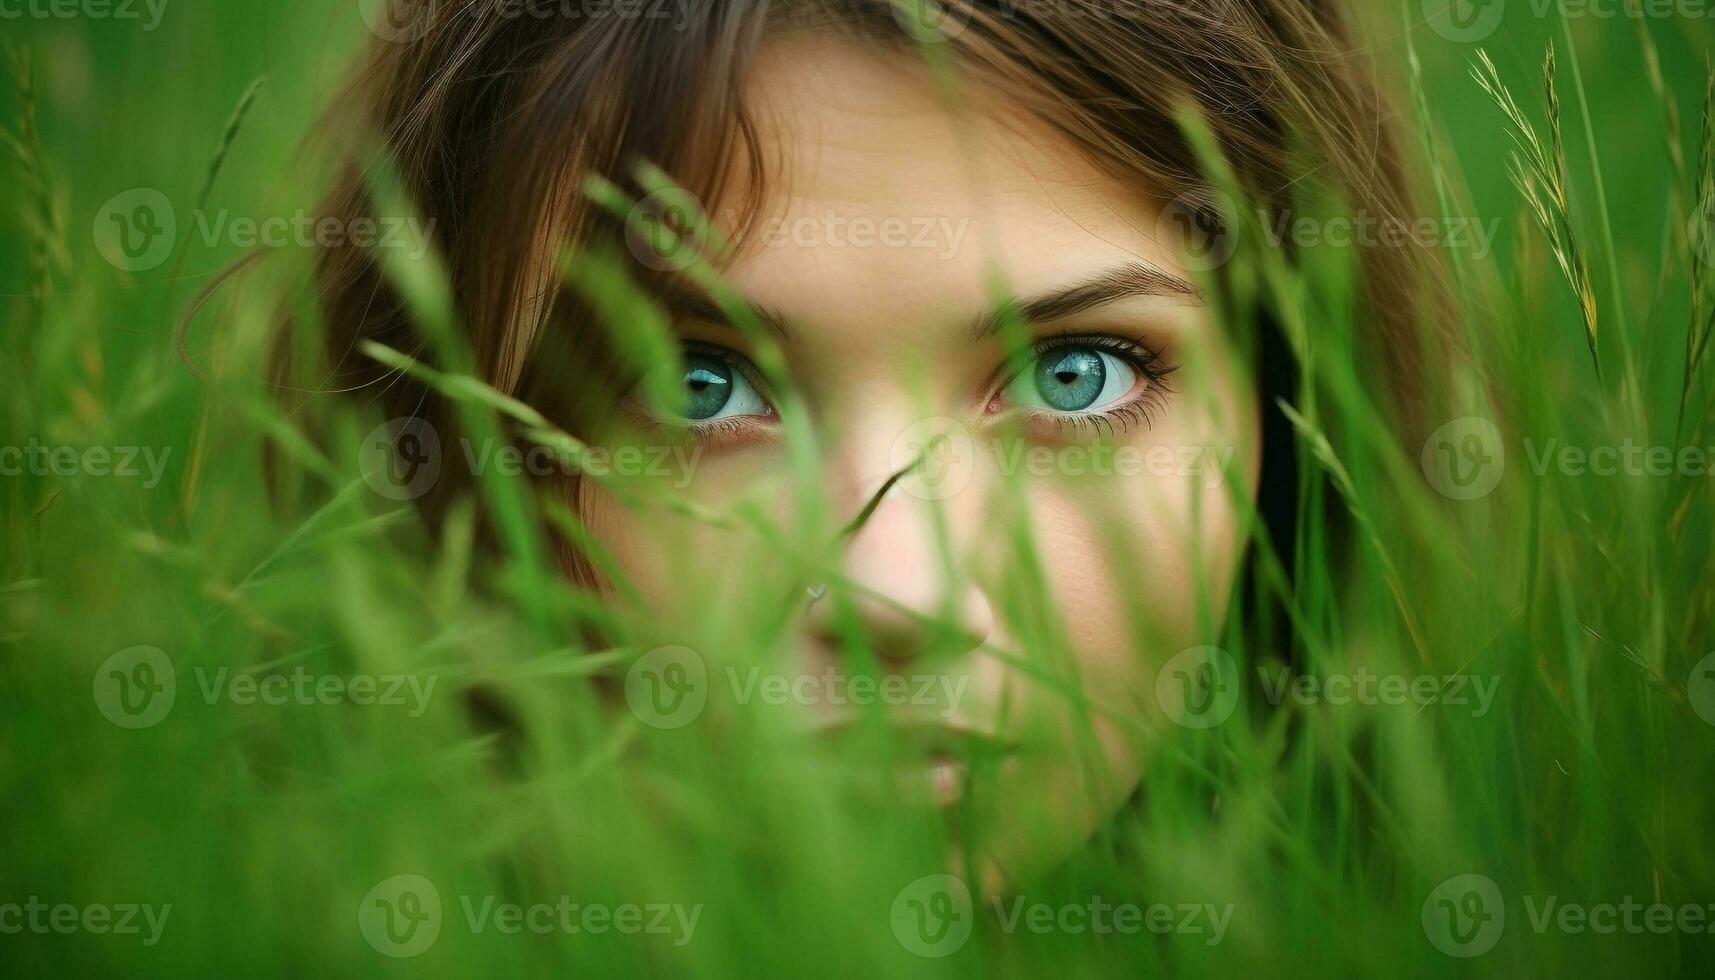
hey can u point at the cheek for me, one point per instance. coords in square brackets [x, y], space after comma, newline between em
[1137, 569]
[1135, 566]
[1118, 575]
[700, 562]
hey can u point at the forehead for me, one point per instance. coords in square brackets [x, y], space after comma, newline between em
[886, 201]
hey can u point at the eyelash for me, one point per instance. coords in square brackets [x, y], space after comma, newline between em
[1140, 409]
[717, 428]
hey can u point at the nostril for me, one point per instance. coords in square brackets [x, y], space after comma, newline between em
[941, 629]
[896, 631]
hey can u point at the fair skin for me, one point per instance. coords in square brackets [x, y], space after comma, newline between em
[1138, 564]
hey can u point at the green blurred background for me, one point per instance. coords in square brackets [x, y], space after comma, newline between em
[266, 833]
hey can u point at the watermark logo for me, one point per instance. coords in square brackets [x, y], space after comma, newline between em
[1700, 688]
[1464, 459]
[933, 916]
[929, 21]
[401, 458]
[136, 687]
[668, 687]
[135, 230]
[399, 21]
[1197, 231]
[401, 916]
[1464, 21]
[937, 456]
[1199, 687]
[665, 230]
[1464, 916]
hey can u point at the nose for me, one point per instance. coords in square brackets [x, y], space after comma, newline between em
[905, 590]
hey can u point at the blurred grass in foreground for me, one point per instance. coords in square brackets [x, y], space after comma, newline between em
[1325, 834]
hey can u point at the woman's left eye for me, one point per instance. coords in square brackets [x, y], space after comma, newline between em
[717, 387]
[1073, 378]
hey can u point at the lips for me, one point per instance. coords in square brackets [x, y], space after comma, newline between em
[942, 782]
[933, 736]
[920, 764]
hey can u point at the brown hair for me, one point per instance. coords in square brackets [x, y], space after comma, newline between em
[494, 116]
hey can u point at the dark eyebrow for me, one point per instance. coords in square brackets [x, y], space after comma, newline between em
[1131, 279]
[686, 305]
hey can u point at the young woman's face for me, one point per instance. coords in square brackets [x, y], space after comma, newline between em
[1095, 465]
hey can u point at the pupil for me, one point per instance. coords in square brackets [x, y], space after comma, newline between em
[709, 384]
[1070, 380]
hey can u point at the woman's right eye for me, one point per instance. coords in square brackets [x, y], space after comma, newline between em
[717, 386]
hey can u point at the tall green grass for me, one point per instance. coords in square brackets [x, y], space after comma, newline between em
[1326, 829]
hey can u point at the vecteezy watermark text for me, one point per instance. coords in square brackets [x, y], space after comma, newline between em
[63, 918]
[939, 456]
[1197, 225]
[1466, 915]
[406, 21]
[37, 459]
[1366, 688]
[670, 230]
[402, 459]
[304, 230]
[1472, 21]
[668, 687]
[676, 462]
[402, 917]
[934, 916]
[1102, 917]
[137, 230]
[1200, 688]
[1465, 459]
[299, 686]
[116, 10]
[138, 686]
[835, 688]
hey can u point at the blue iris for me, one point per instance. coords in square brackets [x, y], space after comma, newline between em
[1070, 379]
[708, 385]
